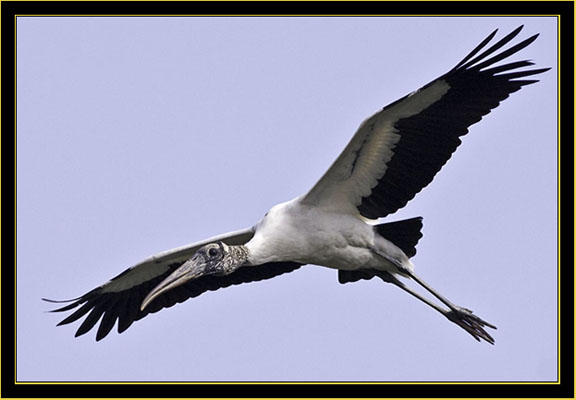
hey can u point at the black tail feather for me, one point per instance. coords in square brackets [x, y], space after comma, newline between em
[404, 234]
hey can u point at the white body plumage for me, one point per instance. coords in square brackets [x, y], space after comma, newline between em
[311, 235]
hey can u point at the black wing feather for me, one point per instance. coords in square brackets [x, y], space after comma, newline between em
[124, 306]
[428, 139]
[497, 46]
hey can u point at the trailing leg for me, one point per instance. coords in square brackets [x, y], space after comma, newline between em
[462, 317]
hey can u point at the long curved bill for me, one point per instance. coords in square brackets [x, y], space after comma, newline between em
[191, 269]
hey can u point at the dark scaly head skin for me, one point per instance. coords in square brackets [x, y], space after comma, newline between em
[212, 259]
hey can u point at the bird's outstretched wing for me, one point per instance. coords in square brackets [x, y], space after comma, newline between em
[398, 151]
[119, 299]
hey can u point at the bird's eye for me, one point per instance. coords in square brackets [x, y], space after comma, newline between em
[213, 252]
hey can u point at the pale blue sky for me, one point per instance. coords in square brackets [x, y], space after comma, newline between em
[136, 135]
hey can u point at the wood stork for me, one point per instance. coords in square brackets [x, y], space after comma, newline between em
[393, 155]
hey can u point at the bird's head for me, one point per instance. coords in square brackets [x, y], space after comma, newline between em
[212, 259]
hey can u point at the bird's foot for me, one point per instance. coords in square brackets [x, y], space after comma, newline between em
[471, 323]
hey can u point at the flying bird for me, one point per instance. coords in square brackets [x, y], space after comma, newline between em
[393, 155]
